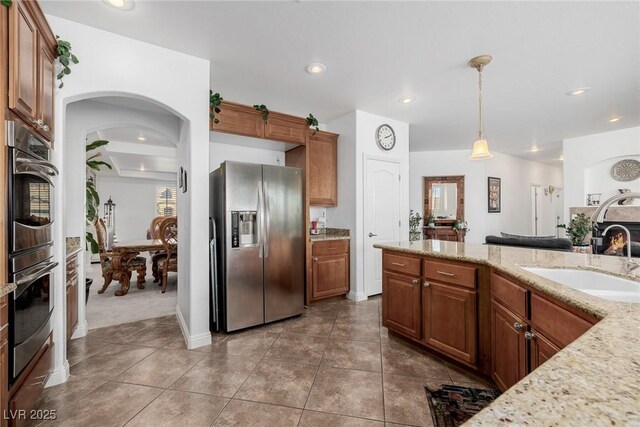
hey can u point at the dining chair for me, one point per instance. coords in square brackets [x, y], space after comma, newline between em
[169, 238]
[156, 256]
[137, 263]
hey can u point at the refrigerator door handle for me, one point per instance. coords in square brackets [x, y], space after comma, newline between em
[260, 220]
[214, 273]
[267, 220]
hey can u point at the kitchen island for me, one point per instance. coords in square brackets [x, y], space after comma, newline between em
[594, 380]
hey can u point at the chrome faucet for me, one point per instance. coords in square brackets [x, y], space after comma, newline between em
[631, 264]
[601, 212]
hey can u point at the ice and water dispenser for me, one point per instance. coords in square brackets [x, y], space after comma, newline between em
[244, 228]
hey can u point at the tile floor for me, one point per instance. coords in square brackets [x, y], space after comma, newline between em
[333, 366]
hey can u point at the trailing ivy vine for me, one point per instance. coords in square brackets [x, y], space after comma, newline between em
[6, 3]
[214, 105]
[265, 111]
[65, 57]
[313, 122]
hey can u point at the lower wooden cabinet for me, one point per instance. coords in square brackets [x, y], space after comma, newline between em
[401, 304]
[541, 349]
[508, 347]
[329, 269]
[72, 295]
[449, 316]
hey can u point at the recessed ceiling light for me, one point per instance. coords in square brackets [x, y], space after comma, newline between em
[406, 100]
[579, 91]
[141, 138]
[614, 119]
[141, 167]
[120, 4]
[534, 149]
[316, 68]
[561, 158]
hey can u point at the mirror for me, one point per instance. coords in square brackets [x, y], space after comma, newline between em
[444, 198]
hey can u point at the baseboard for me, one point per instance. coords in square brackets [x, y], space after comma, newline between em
[81, 330]
[357, 296]
[59, 376]
[192, 341]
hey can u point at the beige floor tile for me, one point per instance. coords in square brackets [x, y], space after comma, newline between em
[353, 355]
[65, 394]
[347, 392]
[179, 408]
[162, 368]
[117, 333]
[462, 377]
[80, 348]
[402, 359]
[255, 342]
[405, 400]
[243, 414]
[323, 419]
[311, 325]
[216, 339]
[297, 349]
[279, 383]
[111, 362]
[112, 404]
[217, 374]
[352, 331]
[156, 336]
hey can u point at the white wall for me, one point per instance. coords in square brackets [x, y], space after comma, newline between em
[219, 153]
[114, 65]
[588, 161]
[517, 177]
[357, 140]
[135, 200]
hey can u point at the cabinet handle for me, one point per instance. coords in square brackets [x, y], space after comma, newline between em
[414, 281]
[445, 273]
[398, 264]
[530, 336]
[315, 259]
[426, 284]
[45, 128]
[332, 248]
[518, 327]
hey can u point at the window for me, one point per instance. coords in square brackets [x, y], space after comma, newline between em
[166, 198]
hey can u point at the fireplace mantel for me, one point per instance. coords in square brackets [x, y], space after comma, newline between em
[629, 213]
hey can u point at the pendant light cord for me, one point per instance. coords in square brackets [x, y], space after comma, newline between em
[480, 133]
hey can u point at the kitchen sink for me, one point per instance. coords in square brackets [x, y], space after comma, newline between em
[593, 283]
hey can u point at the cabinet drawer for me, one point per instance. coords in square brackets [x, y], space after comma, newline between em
[455, 274]
[32, 387]
[557, 324]
[512, 296]
[401, 264]
[330, 247]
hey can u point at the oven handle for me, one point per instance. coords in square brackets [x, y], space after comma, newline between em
[49, 167]
[39, 175]
[30, 278]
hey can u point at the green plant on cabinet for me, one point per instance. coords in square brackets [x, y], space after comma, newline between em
[265, 111]
[6, 3]
[214, 105]
[313, 122]
[65, 58]
[93, 198]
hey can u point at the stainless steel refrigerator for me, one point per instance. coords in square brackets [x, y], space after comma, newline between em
[257, 244]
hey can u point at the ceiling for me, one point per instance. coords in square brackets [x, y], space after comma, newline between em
[377, 52]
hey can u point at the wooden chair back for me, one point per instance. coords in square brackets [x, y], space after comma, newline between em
[154, 229]
[101, 235]
[169, 235]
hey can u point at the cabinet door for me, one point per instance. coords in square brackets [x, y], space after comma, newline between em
[280, 129]
[508, 347]
[330, 276]
[401, 305]
[323, 169]
[23, 62]
[238, 119]
[4, 372]
[69, 311]
[46, 89]
[450, 320]
[541, 349]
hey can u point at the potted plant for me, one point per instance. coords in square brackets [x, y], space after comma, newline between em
[461, 226]
[577, 229]
[431, 221]
[93, 198]
[414, 224]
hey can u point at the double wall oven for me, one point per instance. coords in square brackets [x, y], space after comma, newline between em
[30, 244]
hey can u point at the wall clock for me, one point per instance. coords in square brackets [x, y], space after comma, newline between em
[385, 137]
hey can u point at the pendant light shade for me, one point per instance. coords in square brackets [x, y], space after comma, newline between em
[480, 150]
[480, 146]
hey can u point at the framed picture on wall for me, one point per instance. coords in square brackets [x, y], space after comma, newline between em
[494, 194]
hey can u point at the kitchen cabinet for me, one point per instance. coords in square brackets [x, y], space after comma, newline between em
[449, 316]
[323, 169]
[281, 127]
[72, 295]
[330, 269]
[541, 349]
[401, 304]
[239, 120]
[32, 54]
[508, 347]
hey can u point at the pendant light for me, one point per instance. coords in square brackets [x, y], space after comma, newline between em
[480, 146]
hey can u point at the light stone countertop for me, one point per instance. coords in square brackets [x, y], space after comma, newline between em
[6, 289]
[324, 237]
[593, 381]
[331, 234]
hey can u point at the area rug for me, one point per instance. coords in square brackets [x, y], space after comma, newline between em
[452, 405]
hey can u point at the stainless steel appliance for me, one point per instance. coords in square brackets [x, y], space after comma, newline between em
[30, 244]
[257, 245]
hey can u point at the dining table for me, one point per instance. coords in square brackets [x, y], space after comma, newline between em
[122, 253]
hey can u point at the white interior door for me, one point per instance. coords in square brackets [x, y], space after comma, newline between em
[535, 209]
[381, 216]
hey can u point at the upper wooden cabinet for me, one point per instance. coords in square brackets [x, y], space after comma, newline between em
[238, 119]
[32, 53]
[291, 129]
[323, 169]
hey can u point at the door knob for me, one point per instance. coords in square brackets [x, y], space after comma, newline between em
[372, 235]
